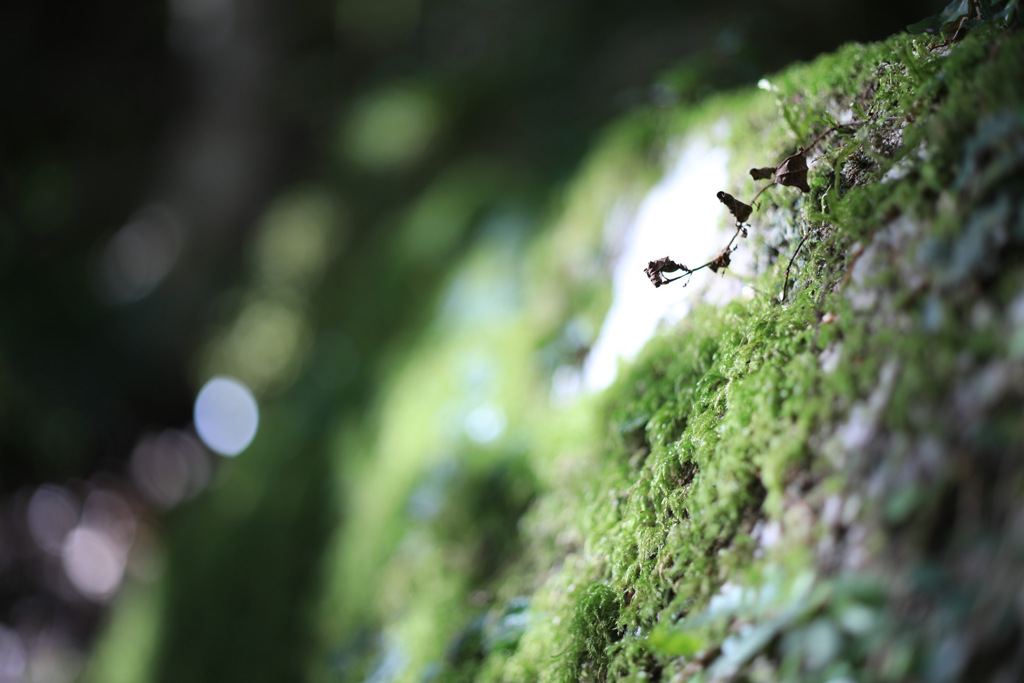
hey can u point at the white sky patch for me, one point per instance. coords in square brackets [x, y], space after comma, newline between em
[682, 218]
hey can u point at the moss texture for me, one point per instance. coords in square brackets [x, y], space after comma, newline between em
[823, 488]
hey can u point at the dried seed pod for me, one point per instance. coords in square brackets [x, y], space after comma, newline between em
[737, 208]
[721, 261]
[655, 270]
[764, 173]
[793, 171]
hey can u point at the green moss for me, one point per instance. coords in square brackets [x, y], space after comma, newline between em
[720, 510]
[592, 632]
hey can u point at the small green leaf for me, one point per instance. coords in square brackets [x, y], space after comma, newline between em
[740, 648]
[953, 11]
[675, 642]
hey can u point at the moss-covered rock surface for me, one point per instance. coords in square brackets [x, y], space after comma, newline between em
[821, 479]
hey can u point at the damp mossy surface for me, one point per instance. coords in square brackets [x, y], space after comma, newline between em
[822, 485]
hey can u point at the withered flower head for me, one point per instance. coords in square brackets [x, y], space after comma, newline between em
[655, 270]
[721, 261]
[737, 208]
[764, 173]
[793, 171]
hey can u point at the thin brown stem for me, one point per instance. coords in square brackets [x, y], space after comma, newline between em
[828, 131]
[678, 277]
[739, 229]
[759, 192]
[814, 144]
[836, 127]
[785, 285]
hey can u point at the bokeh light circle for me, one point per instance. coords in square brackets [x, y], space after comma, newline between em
[226, 416]
[94, 562]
